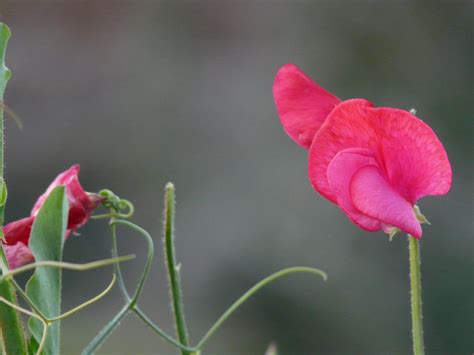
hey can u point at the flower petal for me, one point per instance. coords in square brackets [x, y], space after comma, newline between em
[81, 203]
[62, 179]
[302, 105]
[340, 173]
[408, 151]
[18, 231]
[372, 194]
[18, 255]
[346, 127]
[416, 162]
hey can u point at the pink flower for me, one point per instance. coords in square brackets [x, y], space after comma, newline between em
[81, 206]
[81, 203]
[15, 240]
[374, 163]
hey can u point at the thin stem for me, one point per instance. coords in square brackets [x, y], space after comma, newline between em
[257, 287]
[140, 314]
[173, 268]
[28, 300]
[149, 259]
[160, 332]
[85, 304]
[114, 323]
[106, 331]
[67, 266]
[65, 314]
[117, 268]
[416, 303]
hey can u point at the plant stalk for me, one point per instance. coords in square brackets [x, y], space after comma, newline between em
[174, 268]
[11, 330]
[416, 303]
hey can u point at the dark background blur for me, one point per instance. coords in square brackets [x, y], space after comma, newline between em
[143, 92]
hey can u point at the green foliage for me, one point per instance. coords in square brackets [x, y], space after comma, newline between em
[33, 346]
[10, 324]
[44, 287]
[5, 73]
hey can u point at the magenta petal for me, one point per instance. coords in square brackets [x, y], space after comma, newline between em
[64, 179]
[416, 162]
[412, 157]
[345, 128]
[81, 203]
[340, 173]
[373, 196]
[18, 255]
[302, 105]
[18, 231]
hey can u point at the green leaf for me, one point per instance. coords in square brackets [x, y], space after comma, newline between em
[5, 73]
[33, 346]
[44, 287]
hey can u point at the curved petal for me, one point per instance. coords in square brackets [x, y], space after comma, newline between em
[18, 255]
[340, 173]
[416, 162]
[408, 151]
[346, 127]
[302, 105]
[81, 203]
[62, 179]
[18, 231]
[372, 194]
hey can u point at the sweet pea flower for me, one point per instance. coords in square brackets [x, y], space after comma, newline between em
[15, 240]
[81, 206]
[81, 203]
[374, 163]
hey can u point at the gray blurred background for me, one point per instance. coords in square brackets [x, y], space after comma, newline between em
[144, 92]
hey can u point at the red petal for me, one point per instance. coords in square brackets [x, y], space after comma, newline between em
[416, 162]
[18, 231]
[302, 105]
[81, 203]
[18, 255]
[408, 151]
[340, 172]
[346, 127]
[373, 195]
[62, 179]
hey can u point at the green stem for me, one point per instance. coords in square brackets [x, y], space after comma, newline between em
[67, 266]
[257, 287]
[173, 268]
[65, 314]
[100, 338]
[416, 304]
[161, 333]
[149, 259]
[140, 314]
[117, 268]
[106, 331]
[11, 330]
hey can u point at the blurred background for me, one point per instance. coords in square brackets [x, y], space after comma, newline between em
[144, 92]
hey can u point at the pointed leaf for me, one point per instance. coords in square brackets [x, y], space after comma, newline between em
[44, 287]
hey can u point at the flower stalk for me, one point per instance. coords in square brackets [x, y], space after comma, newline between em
[173, 267]
[416, 303]
[11, 330]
